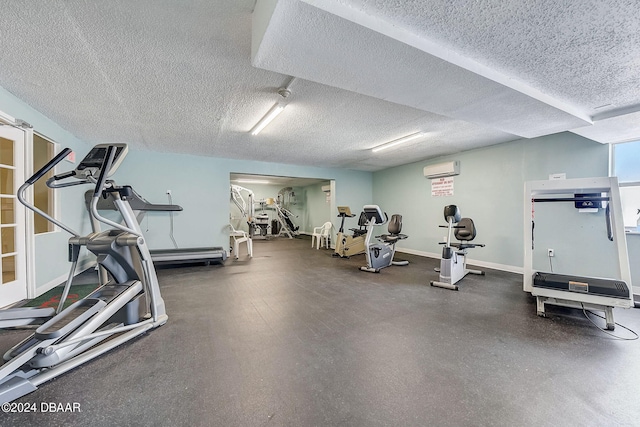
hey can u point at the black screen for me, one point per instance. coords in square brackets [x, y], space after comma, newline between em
[95, 158]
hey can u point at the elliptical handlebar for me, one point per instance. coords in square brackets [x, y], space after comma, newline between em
[100, 187]
[46, 168]
[33, 179]
[106, 165]
[51, 182]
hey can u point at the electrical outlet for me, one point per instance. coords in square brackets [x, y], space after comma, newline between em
[550, 253]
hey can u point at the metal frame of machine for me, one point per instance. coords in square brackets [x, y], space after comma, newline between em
[126, 304]
[577, 297]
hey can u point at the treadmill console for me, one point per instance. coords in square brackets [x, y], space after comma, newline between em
[92, 162]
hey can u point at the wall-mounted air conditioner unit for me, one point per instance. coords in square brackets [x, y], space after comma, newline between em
[442, 169]
[326, 188]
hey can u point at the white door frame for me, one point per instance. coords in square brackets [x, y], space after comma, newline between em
[25, 240]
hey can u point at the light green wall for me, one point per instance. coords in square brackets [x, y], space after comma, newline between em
[318, 210]
[299, 209]
[633, 245]
[201, 186]
[489, 189]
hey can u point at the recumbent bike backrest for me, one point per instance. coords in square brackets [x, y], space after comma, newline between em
[467, 232]
[395, 224]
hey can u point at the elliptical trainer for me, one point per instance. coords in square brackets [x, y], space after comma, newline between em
[453, 264]
[121, 309]
[380, 255]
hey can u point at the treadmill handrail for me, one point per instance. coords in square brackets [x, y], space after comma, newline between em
[137, 202]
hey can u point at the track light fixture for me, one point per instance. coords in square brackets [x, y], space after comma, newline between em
[273, 111]
[253, 181]
[398, 141]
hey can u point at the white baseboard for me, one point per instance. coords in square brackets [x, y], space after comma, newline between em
[485, 264]
[82, 266]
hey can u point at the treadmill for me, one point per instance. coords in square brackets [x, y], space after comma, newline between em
[176, 256]
[580, 284]
[568, 290]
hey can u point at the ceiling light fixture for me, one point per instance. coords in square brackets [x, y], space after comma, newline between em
[252, 181]
[273, 112]
[398, 141]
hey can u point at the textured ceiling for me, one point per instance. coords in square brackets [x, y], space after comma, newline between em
[194, 76]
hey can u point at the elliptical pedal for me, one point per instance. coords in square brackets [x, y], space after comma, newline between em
[68, 320]
[22, 316]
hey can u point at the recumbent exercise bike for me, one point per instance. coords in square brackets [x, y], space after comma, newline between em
[380, 255]
[453, 264]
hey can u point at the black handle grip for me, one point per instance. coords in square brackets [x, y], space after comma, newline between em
[608, 220]
[46, 168]
[106, 165]
[64, 175]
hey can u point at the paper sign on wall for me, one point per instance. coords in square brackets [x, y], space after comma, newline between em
[442, 187]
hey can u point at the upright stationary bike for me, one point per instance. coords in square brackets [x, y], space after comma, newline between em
[346, 245]
[453, 264]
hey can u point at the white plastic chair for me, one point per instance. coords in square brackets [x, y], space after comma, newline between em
[240, 236]
[322, 234]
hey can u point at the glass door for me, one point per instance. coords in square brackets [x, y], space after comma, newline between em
[13, 285]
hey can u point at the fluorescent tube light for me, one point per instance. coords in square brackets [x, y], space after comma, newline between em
[271, 114]
[398, 141]
[252, 181]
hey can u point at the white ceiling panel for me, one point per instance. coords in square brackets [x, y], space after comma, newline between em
[177, 76]
[328, 49]
[622, 128]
